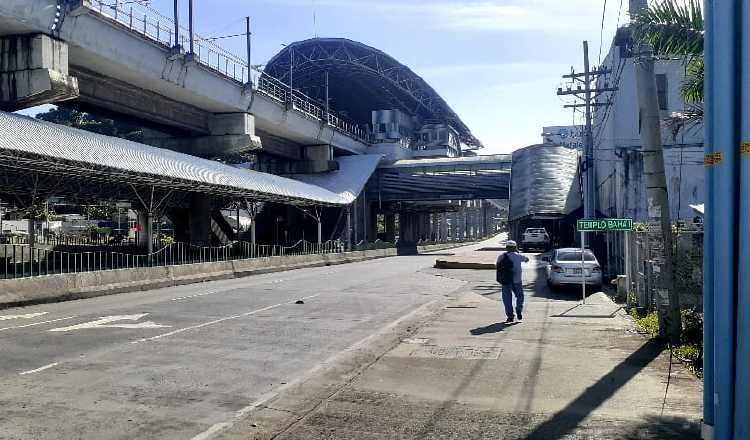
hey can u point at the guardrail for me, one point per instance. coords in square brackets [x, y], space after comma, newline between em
[23, 261]
[160, 30]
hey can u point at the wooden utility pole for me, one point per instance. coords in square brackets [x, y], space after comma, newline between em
[668, 300]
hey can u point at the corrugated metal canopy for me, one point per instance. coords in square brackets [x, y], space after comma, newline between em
[349, 180]
[32, 146]
[545, 182]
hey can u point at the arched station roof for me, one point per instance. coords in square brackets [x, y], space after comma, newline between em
[362, 79]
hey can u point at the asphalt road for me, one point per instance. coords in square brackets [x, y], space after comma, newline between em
[172, 363]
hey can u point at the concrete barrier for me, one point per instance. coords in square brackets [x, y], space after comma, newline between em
[63, 287]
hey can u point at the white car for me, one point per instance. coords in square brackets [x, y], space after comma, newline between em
[564, 268]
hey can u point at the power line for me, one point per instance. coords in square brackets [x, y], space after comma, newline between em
[601, 32]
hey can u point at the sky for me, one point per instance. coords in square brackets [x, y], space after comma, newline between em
[497, 63]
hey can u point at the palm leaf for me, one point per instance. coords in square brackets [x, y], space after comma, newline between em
[692, 86]
[671, 27]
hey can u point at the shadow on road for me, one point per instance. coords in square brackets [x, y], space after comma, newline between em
[492, 328]
[563, 423]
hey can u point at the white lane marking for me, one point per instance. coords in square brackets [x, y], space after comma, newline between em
[111, 322]
[37, 323]
[26, 316]
[216, 321]
[333, 360]
[36, 370]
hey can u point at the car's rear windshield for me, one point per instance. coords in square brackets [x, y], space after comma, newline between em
[537, 230]
[575, 256]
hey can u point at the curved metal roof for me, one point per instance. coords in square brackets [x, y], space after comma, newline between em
[362, 79]
[545, 181]
[32, 146]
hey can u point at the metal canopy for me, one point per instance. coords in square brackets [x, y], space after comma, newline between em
[349, 180]
[362, 79]
[30, 146]
[470, 178]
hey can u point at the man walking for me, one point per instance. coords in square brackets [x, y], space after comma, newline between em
[509, 275]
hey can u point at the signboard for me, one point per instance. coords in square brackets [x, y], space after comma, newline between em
[604, 224]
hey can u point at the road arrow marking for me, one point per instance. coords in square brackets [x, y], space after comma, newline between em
[112, 322]
[26, 316]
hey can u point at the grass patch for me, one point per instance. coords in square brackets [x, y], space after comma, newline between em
[690, 351]
[648, 322]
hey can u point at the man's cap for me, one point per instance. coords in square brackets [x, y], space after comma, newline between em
[511, 243]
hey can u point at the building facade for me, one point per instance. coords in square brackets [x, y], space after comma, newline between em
[618, 157]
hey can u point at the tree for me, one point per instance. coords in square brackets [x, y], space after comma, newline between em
[93, 123]
[675, 28]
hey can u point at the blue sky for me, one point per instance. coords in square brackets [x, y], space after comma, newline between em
[496, 62]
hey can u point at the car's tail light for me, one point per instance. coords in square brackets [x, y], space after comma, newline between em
[557, 269]
[596, 269]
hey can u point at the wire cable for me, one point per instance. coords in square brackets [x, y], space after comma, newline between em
[601, 32]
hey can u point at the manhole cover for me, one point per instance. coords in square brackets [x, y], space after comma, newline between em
[459, 352]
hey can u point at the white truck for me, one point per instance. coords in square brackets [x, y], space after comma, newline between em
[535, 238]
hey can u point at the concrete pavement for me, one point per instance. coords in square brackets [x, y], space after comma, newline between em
[174, 363]
[389, 348]
[569, 371]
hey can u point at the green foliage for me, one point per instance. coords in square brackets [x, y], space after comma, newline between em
[648, 322]
[99, 212]
[690, 352]
[93, 123]
[676, 28]
[167, 240]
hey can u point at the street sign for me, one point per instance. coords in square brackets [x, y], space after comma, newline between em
[604, 224]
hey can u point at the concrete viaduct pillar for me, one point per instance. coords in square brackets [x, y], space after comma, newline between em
[34, 71]
[200, 219]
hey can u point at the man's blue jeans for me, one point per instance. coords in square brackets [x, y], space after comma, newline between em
[508, 291]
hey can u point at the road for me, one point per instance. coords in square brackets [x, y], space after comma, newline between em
[173, 363]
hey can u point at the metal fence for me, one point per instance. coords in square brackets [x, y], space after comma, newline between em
[646, 268]
[23, 261]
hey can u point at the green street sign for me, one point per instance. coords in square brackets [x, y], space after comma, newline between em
[604, 224]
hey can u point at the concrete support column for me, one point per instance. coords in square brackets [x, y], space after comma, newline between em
[145, 235]
[200, 219]
[34, 71]
[390, 228]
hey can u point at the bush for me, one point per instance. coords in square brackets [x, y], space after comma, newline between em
[649, 322]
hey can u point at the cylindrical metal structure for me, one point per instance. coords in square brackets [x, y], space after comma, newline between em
[191, 25]
[708, 230]
[176, 22]
[742, 366]
[721, 213]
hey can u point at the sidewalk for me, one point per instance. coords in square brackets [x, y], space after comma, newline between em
[569, 371]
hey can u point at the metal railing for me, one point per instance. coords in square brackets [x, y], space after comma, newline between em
[309, 107]
[23, 261]
[160, 30]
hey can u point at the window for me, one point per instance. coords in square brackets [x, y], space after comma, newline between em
[426, 137]
[575, 256]
[661, 91]
[382, 127]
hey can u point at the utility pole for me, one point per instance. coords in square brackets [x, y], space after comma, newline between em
[581, 88]
[670, 324]
[249, 39]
